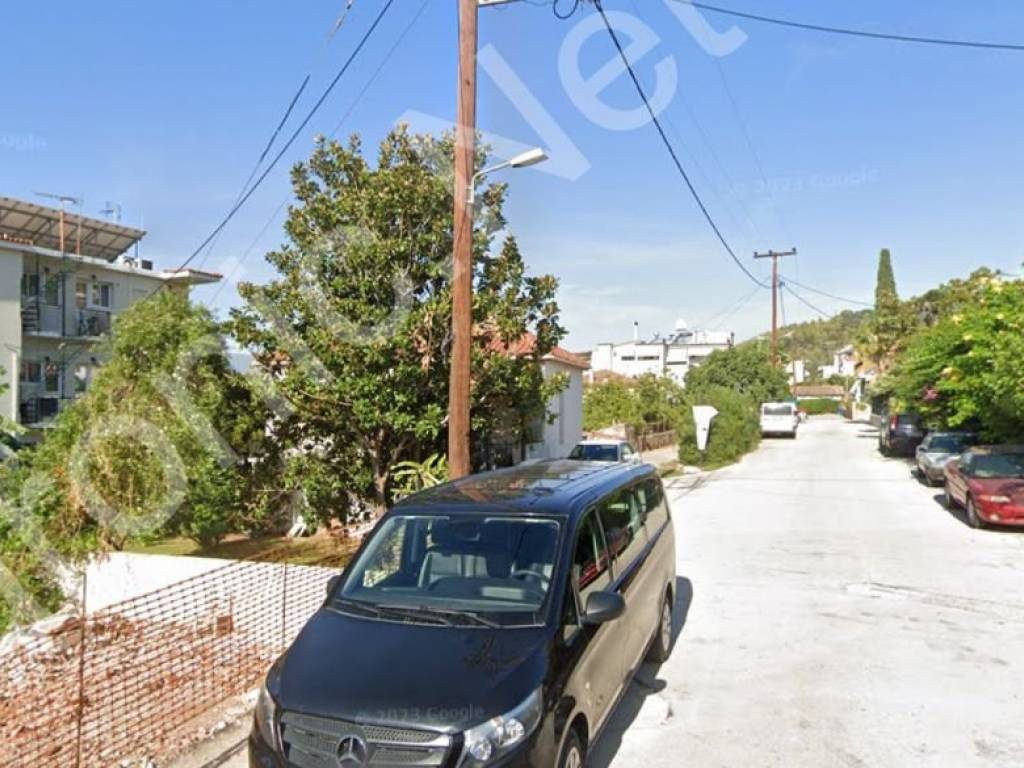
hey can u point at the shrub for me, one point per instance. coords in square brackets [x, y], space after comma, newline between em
[818, 407]
[735, 431]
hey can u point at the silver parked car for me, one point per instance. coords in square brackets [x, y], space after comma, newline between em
[937, 449]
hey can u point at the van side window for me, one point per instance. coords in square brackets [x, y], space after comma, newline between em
[653, 504]
[590, 559]
[623, 525]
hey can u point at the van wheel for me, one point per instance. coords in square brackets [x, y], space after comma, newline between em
[573, 754]
[662, 645]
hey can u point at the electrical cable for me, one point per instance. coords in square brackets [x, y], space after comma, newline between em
[348, 112]
[563, 16]
[295, 134]
[808, 304]
[668, 145]
[853, 32]
[830, 295]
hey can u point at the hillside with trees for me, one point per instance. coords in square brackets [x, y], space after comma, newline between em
[815, 342]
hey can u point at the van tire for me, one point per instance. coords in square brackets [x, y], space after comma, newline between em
[661, 646]
[574, 755]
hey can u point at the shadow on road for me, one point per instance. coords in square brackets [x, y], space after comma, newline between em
[645, 684]
[960, 515]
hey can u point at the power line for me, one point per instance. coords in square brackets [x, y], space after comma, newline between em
[806, 303]
[668, 145]
[892, 37]
[295, 134]
[725, 314]
[827, 294]
[341, 121]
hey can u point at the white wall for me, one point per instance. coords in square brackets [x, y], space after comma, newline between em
[10, 329]
[567, 429]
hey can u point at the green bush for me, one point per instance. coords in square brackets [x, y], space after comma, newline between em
[735, 431]
[818, 406]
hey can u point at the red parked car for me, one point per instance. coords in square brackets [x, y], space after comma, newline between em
[988, 482]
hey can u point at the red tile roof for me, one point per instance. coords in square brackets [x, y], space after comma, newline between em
[527, 344]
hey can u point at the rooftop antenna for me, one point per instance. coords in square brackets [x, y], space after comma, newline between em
[64, 200]
[113, 210]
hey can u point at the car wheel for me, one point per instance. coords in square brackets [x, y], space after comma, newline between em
[662, 645]
[972, 515]
[573, 754]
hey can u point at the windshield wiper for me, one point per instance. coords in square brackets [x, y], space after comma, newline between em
[367, 608]
[448, 614]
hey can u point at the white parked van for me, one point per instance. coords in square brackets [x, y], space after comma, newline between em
[779, 419]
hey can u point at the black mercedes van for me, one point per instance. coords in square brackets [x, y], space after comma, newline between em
[492, 621]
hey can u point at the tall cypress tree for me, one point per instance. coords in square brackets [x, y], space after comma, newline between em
[885, 285]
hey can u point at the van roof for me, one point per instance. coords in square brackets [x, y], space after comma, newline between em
[557, 486]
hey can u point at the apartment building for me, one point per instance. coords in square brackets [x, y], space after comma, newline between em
[672, 355]
[63, 278]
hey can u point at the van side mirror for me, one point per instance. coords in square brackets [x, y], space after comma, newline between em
[332, 583]
[603, 607]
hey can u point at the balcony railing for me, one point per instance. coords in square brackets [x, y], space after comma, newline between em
[39, 317]
[92, 322]
[39, 411]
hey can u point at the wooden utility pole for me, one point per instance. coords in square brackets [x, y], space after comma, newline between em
[462, 255]
[774, 256]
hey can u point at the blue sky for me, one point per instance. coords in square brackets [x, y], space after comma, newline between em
[863, 144]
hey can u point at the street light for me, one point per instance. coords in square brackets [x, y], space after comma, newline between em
[525, 160]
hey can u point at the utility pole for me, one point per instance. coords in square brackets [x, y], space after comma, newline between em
[774, 256]
[462, 247]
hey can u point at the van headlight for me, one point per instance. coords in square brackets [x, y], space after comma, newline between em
[266, 713]
[499, 735]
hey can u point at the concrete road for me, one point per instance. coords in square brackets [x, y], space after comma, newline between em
[832, 613]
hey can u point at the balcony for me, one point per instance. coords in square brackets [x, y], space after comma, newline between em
[39, 411]
[91, 323]
[41, 318]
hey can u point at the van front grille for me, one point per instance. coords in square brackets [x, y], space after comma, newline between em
[318, 742]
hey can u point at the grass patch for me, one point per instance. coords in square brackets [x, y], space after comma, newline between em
[311, 550]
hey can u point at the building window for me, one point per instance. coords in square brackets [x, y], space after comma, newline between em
[51, 290]
[51, 379]
[80, 294]
[30, 285]
[101, 293]
[649, 358]
[83, 375]
[31, 372]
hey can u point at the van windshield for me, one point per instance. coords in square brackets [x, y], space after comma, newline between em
[777, 410]
[454, 569]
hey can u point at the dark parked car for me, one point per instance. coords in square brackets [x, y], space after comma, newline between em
[493, 621]
[937, 450]
[988, 482]
[900, 434]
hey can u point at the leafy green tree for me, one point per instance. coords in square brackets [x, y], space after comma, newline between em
[885, 282]
[968, 368]
[168, 439]
[745, 369]
[354, 331]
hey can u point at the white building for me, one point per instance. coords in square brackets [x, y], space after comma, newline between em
[797, 370]
[844, 363]
[62, 280]
[673, 355]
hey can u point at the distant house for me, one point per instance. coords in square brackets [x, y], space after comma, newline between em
[674, 355]
[844, 363]
[819, 392]
[554, 437]
[797, 371]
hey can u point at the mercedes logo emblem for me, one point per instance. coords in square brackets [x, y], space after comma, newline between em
[351, 752]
